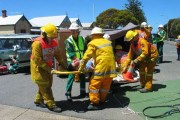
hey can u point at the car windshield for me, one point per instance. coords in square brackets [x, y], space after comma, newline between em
[9, 43]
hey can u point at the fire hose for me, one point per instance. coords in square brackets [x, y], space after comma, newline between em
[174, 109]
[64, 72]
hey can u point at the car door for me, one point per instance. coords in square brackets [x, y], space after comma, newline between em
[24, 52]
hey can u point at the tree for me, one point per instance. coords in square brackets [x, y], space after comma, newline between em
[174, 27]
[113, 18]
[134, 6]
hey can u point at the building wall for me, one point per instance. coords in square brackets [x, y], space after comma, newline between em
[6, 29]
[22, 26]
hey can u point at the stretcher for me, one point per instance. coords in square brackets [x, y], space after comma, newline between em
[64, 72]
[120, 79]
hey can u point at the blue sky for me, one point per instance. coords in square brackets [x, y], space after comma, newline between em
[156, 11]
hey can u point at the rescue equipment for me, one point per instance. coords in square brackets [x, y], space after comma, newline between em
[64, 72]
[174, 109]
[129, 74]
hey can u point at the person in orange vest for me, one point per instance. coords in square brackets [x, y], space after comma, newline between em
[178, 47]
[146, 57]
[44, 49]
[144, 31]
[100, 49]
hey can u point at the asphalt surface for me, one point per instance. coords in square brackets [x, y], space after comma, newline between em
[17, 93]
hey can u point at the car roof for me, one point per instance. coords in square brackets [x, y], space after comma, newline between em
[18, 36]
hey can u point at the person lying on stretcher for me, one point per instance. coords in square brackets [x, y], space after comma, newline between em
[131, 75]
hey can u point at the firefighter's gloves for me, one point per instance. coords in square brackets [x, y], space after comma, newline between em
[81, 67]
[53, 71]
[151, 60]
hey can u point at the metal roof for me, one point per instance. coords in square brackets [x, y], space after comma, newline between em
[10, 20]
[41, 21]
[18, 36]
[73, 19]
[86, 25]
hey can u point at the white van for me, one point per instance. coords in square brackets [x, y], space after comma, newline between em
[8, 44]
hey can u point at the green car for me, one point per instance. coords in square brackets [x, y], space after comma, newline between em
[15, 50]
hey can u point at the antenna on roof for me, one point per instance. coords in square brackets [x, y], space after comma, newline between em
[66, 13]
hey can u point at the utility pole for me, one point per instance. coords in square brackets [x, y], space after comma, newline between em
[93, 13]
[167, 26]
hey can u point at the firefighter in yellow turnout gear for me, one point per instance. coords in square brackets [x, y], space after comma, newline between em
[101, 51]
[44, 49]
[146, 55]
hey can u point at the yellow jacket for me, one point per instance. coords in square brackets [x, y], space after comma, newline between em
[40, 71]
[144, 51]
[101, 51]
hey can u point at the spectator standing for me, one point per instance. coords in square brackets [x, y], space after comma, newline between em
[178, 47]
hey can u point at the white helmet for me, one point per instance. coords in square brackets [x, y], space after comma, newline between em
[74, 26]
[106, 36]
[149, 26]
[144, 24]
[160, 26]
[97, 30]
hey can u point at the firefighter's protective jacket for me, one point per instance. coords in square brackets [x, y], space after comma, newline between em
[40, 70]
[143, 51]
[102, 53]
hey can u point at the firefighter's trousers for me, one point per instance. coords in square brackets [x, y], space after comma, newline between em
[146, 74]
[44, 94]
[98, 89]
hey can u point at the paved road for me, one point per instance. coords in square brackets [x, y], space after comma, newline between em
[17, 90]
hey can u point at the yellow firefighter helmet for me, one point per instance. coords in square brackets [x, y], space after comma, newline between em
[118, 47]
[130, 35]
[50, 30]
[178, 37]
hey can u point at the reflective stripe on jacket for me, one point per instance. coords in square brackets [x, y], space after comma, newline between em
[162, 35]
[141, 51]
[101, 51]
[78, 48]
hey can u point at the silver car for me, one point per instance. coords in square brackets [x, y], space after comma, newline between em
[19, 44]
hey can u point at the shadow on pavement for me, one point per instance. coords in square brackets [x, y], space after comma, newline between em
[167, 62]
[114, 100]
[156, 71]
[25, 70]
[156, 87]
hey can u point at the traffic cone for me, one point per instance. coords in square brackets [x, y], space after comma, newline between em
[129, 74]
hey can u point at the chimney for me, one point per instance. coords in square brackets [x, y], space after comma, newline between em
[4, 13]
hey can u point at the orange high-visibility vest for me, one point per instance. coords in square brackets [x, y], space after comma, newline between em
[48, 50]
